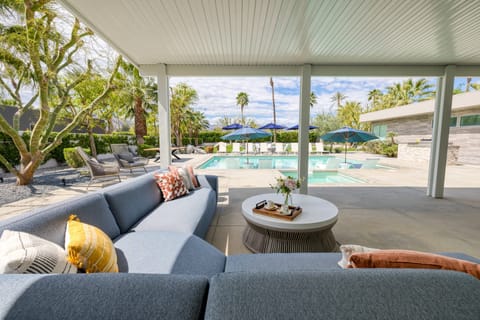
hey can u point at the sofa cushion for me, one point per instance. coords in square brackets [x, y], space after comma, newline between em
[89, 248]
[50, 222]
[282, 262]
[167, 252]
[344, 294]
[133, 199]
[102, 296]
[191, 213]
[412, 259]
[22, 252]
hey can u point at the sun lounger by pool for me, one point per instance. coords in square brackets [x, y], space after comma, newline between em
[222, 147]
[264, 147]
[370, 163]
[331, 164]
[294, 147]
[236, 147]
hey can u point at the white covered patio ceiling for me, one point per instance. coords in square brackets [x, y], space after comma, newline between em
[429, 33]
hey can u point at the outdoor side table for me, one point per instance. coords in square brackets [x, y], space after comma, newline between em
[311, 231]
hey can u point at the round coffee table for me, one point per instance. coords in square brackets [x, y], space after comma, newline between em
[311, 231]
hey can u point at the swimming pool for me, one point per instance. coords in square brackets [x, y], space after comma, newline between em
[265, 162]
[325, 177]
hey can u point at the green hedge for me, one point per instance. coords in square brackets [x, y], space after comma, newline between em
[102, 143]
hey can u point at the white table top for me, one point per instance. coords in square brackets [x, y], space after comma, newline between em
[316, 213]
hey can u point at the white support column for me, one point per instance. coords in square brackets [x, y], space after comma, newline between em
[433, 149]
[304, 121]
[442, 116]
[164, 116]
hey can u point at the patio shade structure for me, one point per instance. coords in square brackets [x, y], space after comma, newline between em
[295, 127]
[193, 43]
[246, 133]
[233, 126]
[347, 134]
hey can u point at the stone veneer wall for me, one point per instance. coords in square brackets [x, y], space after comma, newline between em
[464, 142]
[420, 152]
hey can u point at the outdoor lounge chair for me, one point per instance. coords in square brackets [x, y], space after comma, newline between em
[236, 147]
[98, 170]
[331, 164]
[222, 147]
[126, 159]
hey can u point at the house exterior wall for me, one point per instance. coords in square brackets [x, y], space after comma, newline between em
[414, 136]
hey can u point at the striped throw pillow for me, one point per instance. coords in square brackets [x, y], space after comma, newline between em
[22, 252]
[89, 248]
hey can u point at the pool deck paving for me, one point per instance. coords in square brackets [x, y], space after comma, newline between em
[390, 210]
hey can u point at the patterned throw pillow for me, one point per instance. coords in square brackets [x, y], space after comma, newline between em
[21, 252]
[89, 248]
[171, 184]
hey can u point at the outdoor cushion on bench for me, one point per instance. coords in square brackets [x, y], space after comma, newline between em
[167, 252]
[102, 296]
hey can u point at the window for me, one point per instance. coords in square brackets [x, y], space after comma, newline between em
[471, 120]
[453, 121]
[380, 130]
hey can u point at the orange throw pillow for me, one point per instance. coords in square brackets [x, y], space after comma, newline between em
[412, 259]
[171, 184]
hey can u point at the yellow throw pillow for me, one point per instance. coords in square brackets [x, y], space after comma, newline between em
[89, 248]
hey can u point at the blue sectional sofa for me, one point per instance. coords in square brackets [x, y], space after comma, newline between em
[168, 271]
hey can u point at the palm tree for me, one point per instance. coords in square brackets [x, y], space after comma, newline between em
[242, 101]
[182, 97]
[313, 99]
[337, 99]
[274, 112]
[375, 97]
[138, 95]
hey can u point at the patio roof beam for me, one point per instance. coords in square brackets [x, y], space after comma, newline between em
[304, 121]
[163, 113]
[441, 128]
[180, 70]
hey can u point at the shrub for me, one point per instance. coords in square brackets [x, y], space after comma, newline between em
[72, 158]
[338, 150]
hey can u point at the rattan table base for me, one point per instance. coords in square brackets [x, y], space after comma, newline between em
[261, 240]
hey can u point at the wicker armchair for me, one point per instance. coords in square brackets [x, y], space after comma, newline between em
[98, 170]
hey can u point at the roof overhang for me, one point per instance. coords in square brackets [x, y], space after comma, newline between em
[461, 101]
[252, 37]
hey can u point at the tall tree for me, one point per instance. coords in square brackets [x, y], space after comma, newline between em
[242, 101]
[337, 99]
[181, 100]
[274, 111]
[138, 95]
[349, 114]
[34, 54]
[375, 99]
[313, 99]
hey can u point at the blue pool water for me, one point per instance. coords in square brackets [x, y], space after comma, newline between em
[325, 177]
[263, 162]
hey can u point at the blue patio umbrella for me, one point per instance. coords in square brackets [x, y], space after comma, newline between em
[272, 126]
[347, 134]
[246, 133]
[233, 126]
[295, 127]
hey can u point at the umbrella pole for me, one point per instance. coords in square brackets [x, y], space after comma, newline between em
[345, 152]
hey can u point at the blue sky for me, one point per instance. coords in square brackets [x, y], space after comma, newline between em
[217, 95]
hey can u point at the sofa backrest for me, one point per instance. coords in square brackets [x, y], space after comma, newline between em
[50, 222]
[102, 296]
[133, 199]
[344, 294]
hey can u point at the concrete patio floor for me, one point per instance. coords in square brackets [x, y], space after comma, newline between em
[390, 210]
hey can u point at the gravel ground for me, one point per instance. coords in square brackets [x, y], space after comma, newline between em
[44, 182]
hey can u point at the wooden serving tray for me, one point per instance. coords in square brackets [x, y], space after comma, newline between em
[277, 214]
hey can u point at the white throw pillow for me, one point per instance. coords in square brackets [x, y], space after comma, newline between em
[21, 252]
[348, 250]
[186, 178]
